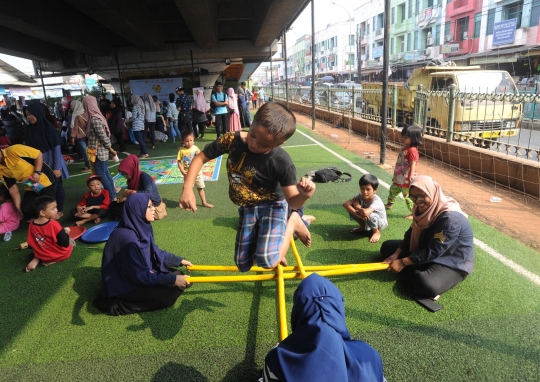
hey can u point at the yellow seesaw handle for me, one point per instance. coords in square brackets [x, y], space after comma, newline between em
[298, 259]
[308, 268]
[358, 268]
[283, 330]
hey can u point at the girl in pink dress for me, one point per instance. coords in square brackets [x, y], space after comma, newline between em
[234, 118]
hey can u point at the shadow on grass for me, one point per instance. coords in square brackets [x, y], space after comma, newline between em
[231, 222]
[438, 333]
[175, 372]
[247, 369]
[335, 232]
[87, 284]
[339, 256]
[166, 323]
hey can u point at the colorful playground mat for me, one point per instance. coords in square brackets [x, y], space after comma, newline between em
[165, 171]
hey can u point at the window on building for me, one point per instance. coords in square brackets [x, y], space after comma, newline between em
[462, 26]
[391, 45]
[417, 7]
[477, 23]
[448, 1]
[409, 5]
[409, 39]
[351, 59]
[401, 13]
[351, 39]
[374, 23]
[393, 16]
[513, 11]
[416, 43]
[490, 21]
[437, 41]
[446, 29]
[429, 3]
[535, 14]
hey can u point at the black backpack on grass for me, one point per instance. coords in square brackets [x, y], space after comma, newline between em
[329, 174]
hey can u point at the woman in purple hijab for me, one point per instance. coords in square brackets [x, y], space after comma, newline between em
[136, 275]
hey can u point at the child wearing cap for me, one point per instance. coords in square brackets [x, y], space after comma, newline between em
[94, 204]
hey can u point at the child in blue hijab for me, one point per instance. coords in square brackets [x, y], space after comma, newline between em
[135, 273]
[320, 347]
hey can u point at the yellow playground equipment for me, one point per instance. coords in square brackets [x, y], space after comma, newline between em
[280, 274]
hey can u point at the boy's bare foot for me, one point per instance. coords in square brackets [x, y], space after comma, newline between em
[143, 156]
[118, 189]
[388, 206]
[284, 263]
[32, 265]
[58, 215]
[80, 222]
[207, 205]
[97, 221]
[301, 230]
[309, 219]
[49, 263]
[408, 217]
[375, 237]
[358, 230]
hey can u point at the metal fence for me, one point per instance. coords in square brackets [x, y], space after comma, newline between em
[494, 121]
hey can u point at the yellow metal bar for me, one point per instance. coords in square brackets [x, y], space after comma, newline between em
[283, 330]
[298, 259]
[357, 268]
[308, 268]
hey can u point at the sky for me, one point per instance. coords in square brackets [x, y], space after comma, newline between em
[325, 13]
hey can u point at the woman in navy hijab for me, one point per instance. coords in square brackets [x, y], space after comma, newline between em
[135, 273]
[320, 347]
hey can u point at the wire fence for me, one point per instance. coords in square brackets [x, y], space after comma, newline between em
[505, 121]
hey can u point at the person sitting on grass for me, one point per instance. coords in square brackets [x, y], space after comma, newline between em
[50, 242]
[136, 275]
[94, 205]
[9, 217]
[437, 252]
[184, 158]
[320, 347]
[262, 182]
[367, 209]
[137, 182]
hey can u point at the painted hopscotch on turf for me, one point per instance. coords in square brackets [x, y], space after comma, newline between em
[165, 171]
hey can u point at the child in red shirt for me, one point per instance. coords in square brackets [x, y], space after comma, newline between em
[50, 242]
[94, 204]
[405, 169]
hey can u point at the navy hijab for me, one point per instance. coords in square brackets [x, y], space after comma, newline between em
[320, 347]
[41, 135]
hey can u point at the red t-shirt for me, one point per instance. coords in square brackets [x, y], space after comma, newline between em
[44, 241]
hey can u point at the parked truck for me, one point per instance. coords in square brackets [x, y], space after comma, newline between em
[484, 116]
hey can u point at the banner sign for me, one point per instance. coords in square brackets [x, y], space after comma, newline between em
[377, 51]
[159, 87]
[504, 32]
[449, 48]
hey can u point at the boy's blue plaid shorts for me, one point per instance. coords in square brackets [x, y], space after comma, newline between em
[260, 234]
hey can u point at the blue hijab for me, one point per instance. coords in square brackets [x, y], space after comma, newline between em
[131, 258]
[41, 135]
[320, 347]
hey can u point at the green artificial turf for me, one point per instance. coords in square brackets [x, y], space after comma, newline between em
[487, 330]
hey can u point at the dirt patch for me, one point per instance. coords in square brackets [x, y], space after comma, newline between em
[516, 215]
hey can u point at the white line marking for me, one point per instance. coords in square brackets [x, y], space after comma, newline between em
[509, 263]
[287, 147]
[342, 158]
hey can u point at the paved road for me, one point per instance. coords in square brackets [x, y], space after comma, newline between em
[527, 139]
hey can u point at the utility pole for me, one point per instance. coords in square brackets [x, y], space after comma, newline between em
[386, 61]
[359, 52]
[313, 64]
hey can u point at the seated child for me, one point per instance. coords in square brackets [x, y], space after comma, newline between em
[184, 158]
[9, 217]
[367, 209]
[94, 204]
[262, 182]
[50, 242]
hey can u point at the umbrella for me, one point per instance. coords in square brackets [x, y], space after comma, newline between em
[327, 79]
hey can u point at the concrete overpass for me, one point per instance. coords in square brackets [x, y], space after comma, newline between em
[146, 38]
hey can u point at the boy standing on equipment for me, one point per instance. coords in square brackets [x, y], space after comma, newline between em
[184, 158]
[256, 169]
[367, 209]
[94, 204]
[50, 242]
